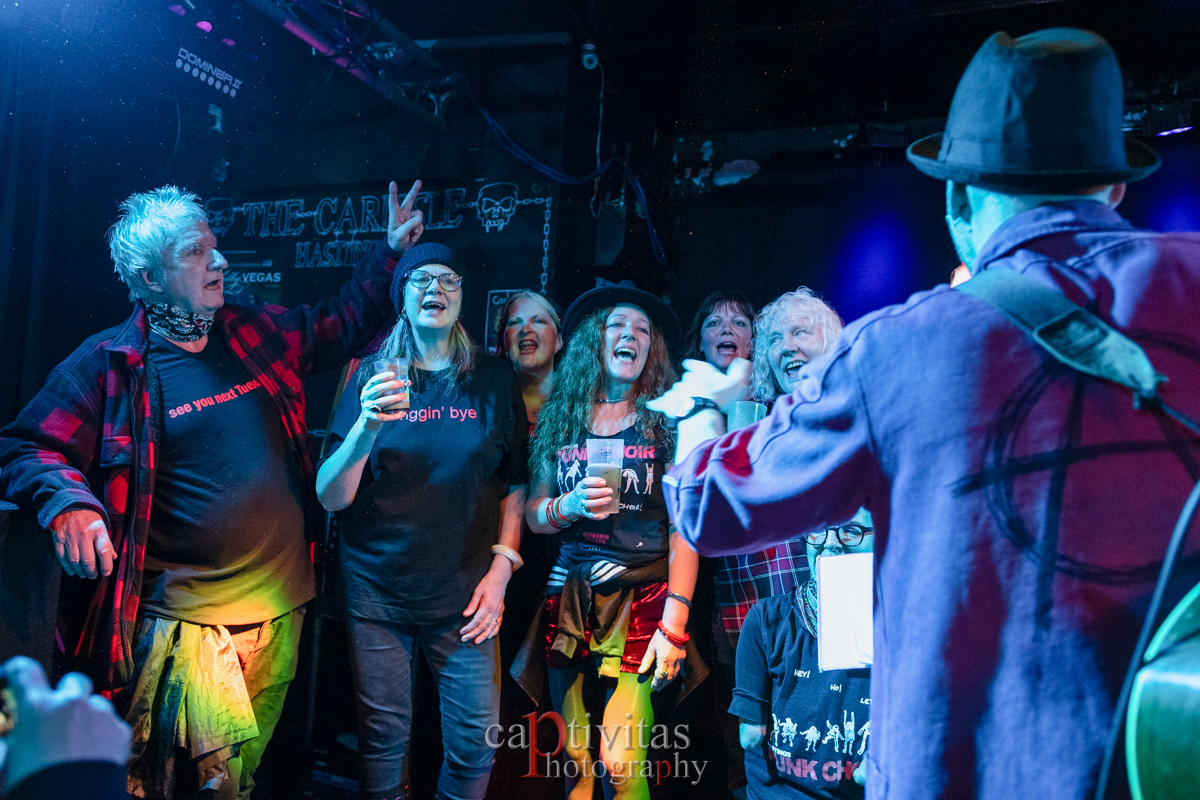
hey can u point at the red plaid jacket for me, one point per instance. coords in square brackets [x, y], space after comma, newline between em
[87, 439]
[743, 580]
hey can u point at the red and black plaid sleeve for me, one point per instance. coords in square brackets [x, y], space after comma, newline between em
[324, 335]
[56, 442]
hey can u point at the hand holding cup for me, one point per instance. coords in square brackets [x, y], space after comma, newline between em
[589, 495]
[384, 391]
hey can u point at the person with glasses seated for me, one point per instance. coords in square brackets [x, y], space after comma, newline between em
[805, 732]
[434, 496]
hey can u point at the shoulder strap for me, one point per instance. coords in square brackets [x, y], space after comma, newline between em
[1072, 334]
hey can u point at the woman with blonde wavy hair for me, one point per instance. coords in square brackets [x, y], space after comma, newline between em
[790, 331]
[618, 597]
[433, 496]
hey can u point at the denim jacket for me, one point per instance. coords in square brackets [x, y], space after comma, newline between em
[1022, 510]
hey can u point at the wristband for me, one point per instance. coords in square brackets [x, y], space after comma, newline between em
[671, 637]
[681, 599]
[698, 405]
[510, 554]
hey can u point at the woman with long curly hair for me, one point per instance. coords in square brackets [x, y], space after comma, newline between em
[618, 597]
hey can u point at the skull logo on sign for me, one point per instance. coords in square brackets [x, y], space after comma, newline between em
[220, 214]
[495, 205]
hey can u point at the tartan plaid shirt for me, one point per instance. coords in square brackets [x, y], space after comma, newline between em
[743, 580]
[87, 439]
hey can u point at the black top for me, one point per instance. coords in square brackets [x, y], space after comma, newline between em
[417, 538]
[818, 723]
[641, 526]
[93, 780]
[226, 541]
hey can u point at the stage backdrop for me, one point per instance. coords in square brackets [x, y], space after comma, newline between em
[293, 238]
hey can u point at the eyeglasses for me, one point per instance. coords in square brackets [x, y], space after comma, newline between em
[851, 535]
[447, 280]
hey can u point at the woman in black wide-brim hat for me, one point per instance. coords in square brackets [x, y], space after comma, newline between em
[616, 606]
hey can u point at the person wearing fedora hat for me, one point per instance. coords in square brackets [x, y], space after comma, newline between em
[1022, 508]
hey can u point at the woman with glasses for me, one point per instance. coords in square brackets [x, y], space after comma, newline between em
[433, 497]
[805, 732]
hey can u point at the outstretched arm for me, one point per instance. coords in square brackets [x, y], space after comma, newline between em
[809, 464]
[330, 332]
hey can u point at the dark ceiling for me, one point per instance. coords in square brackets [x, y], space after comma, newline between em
[689, 67]
[712, 66]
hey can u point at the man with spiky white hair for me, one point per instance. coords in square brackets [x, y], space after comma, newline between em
[167, 458]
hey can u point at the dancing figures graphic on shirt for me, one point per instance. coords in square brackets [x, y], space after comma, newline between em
[573, 475]
[863, 733]
[834, 732]
[848, 732]
[789, 731]
[575, 472]
[785, 730]
[812, 736]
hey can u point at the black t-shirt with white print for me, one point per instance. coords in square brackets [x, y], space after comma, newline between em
[641, 526]
[818, 723]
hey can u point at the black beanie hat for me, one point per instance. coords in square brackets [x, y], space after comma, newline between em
[415, 257]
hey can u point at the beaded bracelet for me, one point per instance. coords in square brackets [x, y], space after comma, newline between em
[678, 641]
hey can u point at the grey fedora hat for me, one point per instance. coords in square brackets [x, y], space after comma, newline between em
[1041, 113]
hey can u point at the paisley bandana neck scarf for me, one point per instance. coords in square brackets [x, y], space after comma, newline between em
[806, 598]
[177, 324]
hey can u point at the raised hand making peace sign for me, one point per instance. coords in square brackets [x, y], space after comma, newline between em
[405, 226]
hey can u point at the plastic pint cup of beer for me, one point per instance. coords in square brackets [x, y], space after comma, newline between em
[746, 412]
[605, 459]
[399, 368]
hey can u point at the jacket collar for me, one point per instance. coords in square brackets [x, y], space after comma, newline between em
[1048, 220]
[133, 335]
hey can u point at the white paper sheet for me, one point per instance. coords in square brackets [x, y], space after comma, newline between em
[845, 592]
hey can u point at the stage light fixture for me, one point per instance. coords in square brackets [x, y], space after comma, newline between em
[1168, 119]
[205, 26]
[589, 57]
[177, 9]
[228, 42]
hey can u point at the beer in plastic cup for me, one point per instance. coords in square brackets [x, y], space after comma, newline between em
[745, 412]
[605, 459]
[399, 368]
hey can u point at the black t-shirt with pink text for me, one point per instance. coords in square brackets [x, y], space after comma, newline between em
[417, 539]
[641, 526]
[226, 543]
